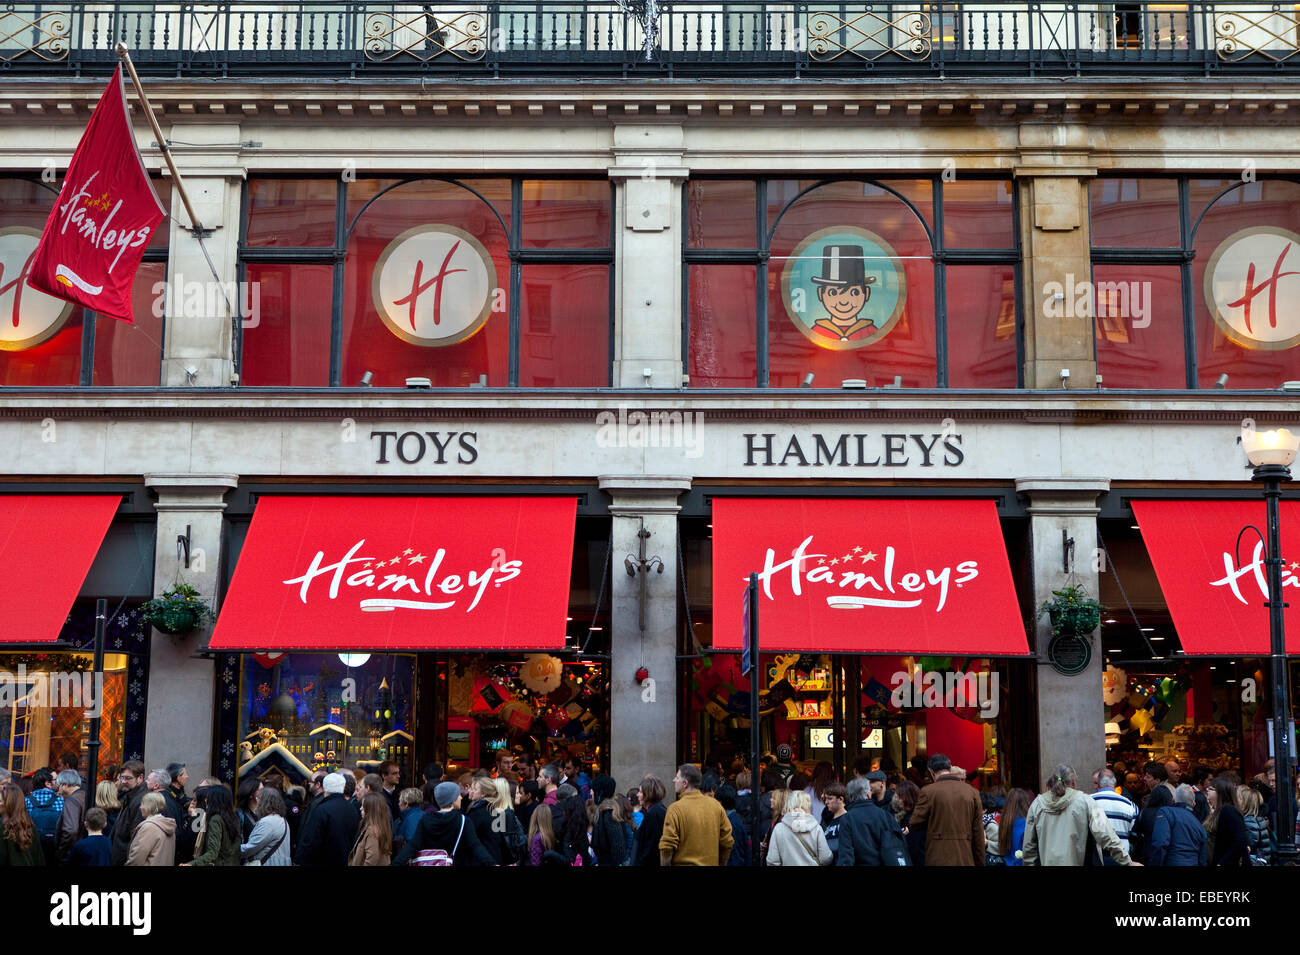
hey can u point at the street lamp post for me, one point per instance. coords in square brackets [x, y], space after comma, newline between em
[1271, 454]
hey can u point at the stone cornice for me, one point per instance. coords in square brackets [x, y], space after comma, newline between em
[1136, 99]
[1033, 409]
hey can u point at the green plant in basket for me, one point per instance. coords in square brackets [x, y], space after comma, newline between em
[1072, 611]
[176, 612]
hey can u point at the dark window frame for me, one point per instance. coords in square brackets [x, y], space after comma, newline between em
[1182, 255]
[940, 255]
[335, 255]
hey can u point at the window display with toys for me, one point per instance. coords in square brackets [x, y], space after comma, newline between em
[536, 703]
[306, 711]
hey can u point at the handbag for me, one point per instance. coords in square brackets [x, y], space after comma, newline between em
[440, 856]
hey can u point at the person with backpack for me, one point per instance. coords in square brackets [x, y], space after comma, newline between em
[45, 807]
[869, 836]
[443, 837]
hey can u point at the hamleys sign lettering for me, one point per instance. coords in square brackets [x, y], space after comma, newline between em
[376, 573]
[885, 576]
[1216, 588]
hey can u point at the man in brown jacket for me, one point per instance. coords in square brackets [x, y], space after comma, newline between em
[696, 830]
[951, 812]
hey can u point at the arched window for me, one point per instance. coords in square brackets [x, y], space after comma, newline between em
[501, 282]
[898, 283]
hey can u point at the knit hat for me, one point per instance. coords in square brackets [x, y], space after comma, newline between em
[602, 787]
[334, 783]
[444, 794]
[784, 753]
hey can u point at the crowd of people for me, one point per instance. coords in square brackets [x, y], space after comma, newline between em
[522, 812]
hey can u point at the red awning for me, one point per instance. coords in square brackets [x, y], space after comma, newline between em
[871, 576]
[401, 573]
[1215, 599]
[47, 544]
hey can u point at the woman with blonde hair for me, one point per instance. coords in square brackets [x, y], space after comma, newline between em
[154, 842]
[798, 839]
[541, 835]
[106, 799]
[1251, 806]
[494, 822]
[374, 845]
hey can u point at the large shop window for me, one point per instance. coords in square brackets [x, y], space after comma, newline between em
[1195, 282]
[46, 341]
[503, 282]
[902, 283]
[1184, 640]
[520, 666]
[865, 638]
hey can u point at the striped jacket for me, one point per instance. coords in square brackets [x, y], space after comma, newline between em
[1121, 812]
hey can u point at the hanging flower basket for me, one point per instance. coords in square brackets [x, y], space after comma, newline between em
[1072, 612]
[176, 612]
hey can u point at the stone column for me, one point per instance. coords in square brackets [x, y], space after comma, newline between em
[199, 334]
[648, 176]
[1071, 715]
[182, 687]
[1054, 170]
[643, 720]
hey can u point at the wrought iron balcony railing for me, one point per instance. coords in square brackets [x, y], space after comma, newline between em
[653, 38]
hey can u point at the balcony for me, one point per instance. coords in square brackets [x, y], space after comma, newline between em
[644, 39]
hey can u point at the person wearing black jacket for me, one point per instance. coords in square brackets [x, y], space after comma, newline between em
[130, 790]
[608, 837]
[448, 830]
[1139, 837]
[869, 836]
[652, 822]
[326, 836]
[1231, 841]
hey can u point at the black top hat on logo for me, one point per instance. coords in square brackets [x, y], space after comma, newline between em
[844, 266]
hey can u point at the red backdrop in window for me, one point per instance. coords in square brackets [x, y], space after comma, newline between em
[721, 214]
[567, 213]
[981, 326]
[292, 213]
[564, 326]
[1139, 321]
[977, 214]
[1134, 213]
[723, 350]
[289, 344]
[132, 354]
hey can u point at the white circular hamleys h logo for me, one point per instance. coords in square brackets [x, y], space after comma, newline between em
[27, 317]
[1252, 288]
[433, 285]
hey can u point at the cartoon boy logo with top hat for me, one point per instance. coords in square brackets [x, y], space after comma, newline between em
[843, 288]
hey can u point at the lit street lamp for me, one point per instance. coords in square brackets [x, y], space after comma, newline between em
[1270, 454]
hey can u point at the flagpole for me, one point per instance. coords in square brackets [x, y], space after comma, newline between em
[124, 54]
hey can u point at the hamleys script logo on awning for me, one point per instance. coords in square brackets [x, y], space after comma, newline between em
[857, 577]
[1233, 575]
[409, 580]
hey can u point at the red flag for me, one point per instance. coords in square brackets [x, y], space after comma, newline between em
[104, 217]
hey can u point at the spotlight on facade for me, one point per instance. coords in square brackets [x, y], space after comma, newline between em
[366, 378]
[1270, 447]
[423, 384]
[1222, 381]
[855, 383]
[807, 380]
